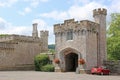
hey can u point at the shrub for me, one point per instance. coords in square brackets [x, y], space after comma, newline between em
[48, 68]
[40, 60]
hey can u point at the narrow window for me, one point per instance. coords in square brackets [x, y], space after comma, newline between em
[70, 35]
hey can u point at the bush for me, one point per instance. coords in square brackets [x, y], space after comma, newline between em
[48, 68]
[40, 60]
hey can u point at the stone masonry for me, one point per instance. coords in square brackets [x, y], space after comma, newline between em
[17, 51]
[84, 39]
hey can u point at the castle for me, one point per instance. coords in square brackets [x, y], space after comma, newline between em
[17, 51]
[81, 40]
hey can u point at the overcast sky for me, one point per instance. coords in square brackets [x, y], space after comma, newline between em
[17, 16]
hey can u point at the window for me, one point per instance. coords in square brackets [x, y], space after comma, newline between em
[70, 35]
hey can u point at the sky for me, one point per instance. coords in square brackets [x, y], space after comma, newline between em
[17, 16]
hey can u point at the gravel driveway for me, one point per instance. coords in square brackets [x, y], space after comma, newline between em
[33, 75]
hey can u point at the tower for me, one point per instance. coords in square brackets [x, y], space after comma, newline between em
[44, 38]
[35, 31]
[100, 18]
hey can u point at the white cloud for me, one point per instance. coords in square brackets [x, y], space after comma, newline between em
[115, 6]
[35, 3]
[81, 1]
[8, 28]
[32, 4]
[7, 3]
[42, 25]
[75, 11]
[25, 11]
[83, 12]
[57, 15]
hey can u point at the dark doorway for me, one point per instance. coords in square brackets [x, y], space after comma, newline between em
[71, 62]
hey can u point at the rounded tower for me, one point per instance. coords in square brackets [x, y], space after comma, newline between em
[35, 31]
[100, 18]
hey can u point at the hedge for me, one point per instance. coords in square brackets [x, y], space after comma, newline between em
[47, 68]
[40, 60]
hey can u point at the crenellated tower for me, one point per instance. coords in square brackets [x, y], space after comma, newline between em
[35, 31]
[100, 18]
[44, 38]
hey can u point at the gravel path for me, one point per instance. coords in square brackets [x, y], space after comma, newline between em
[33, 75]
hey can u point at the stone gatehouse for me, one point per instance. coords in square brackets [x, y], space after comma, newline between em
[75, 40]
[17, 51]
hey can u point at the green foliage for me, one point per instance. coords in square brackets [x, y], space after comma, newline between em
[52, 51]
[113, 39]
[1, 35]
[114, 29]
[48, 68]
[51, 46]
[40, 60]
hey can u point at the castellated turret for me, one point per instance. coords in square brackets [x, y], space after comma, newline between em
[99, 14]
[44, 38]
[100, 18]
[35, 31]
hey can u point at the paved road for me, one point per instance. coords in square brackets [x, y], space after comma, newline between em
[33, 75]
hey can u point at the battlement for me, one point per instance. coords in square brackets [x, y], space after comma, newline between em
[6, 38]
[13, 37]
[44, 33]
[75, 25]
[68, 21]
[99, 11]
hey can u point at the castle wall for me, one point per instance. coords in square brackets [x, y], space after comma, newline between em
[17, 52]
[18, 55]
[91, 59]
[25, 52]
[7, 58]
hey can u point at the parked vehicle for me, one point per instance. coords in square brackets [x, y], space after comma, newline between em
[100, 70]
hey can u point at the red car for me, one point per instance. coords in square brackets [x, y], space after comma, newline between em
[100, 70]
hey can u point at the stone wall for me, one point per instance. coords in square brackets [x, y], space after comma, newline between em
[91, 59]
[18, 55]
[114, 66]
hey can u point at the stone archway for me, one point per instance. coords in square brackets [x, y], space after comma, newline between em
[71, 62]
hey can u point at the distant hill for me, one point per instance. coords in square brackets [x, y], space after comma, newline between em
[51, 46]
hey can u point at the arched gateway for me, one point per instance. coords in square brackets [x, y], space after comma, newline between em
[69, 58]
[71, 62]
[83, 40]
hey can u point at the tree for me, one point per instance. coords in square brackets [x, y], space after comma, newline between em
[113, 37]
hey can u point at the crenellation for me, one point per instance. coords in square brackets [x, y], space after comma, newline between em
[99, 11]
[77, 25]
[69, 21]
[12, 38]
